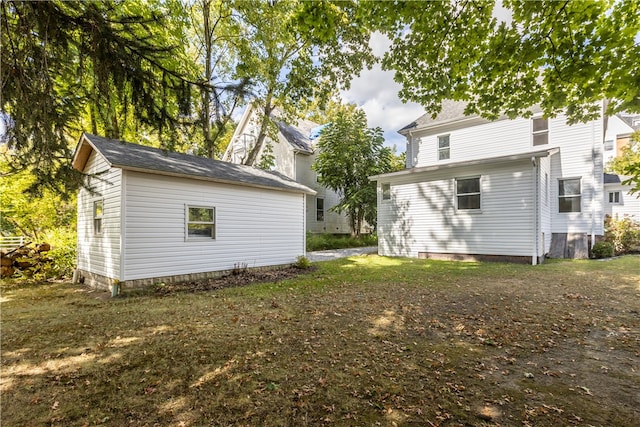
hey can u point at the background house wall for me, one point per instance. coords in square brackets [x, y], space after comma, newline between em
[100, 253]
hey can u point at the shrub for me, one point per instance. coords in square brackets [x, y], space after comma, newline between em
[302, 263]
[321, 242]
[623, 234]
[602, 249]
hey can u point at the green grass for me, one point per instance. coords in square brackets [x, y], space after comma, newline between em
[358, 341]
[321, 242]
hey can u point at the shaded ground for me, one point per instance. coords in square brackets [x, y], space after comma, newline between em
[359, 341]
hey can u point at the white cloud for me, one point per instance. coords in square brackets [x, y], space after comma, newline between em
[376, 93]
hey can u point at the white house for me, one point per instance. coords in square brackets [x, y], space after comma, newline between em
[509, 189]
[294, 152]
[152, 216]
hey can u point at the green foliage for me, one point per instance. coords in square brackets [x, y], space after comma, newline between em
[302, 262]
[322, 242]
[628, 163]
[267, 159]
[623, 234]
[602, 249]
[349, 153]
[566, 55]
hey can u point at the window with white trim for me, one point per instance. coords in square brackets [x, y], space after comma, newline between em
[569, 195]
[386, 191]
[444, 152]
[319, 209]
[98, 211]
[540, 131]
[614, 197]
[200, 222]
[468, 193]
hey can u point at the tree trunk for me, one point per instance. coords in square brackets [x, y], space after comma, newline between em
[253, 154]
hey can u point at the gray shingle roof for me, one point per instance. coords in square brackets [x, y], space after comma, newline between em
[451, 110]
[126, 155]
[298, 135]
[611, 178]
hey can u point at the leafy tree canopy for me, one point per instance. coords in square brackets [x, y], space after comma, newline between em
[628, 163]
[114, 67]
[561, 55]
[348, 153]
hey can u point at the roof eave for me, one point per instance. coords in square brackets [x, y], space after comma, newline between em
[305, 190]
[498, 159]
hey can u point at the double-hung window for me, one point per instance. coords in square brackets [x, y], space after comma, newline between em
[386, 191]
[468, 193]
[444, 152]
[569, 195]
[98, 210]
[319, 209]
[200, 223]
[540, 131]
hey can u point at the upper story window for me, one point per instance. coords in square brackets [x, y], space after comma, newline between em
[443, 147]
[569, 195]
[540, 131]
[319, 209]
[468, 193]
[386, 191]
[608, 145]
[200, 223]
[98, 209]
[614, 197]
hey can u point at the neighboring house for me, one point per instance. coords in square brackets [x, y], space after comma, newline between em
[618, 200]
[293, 154]
[619, 129]
[517, 189]
[153, 216]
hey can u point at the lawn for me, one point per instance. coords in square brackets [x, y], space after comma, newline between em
[359, 341]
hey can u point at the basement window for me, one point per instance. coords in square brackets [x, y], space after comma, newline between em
[200, 223]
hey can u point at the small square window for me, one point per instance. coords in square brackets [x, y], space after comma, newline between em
[468, 193]
[614, 197]
[569, 195]
[201, 222]
[444, 152]
[98, 210]
[386, 191]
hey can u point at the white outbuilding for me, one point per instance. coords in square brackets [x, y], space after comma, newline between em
[146, 216]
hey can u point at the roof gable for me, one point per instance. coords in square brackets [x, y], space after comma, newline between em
[125, 155]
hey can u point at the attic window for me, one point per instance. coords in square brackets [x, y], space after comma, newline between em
[540, 131]
[443, 147]
[200, 223]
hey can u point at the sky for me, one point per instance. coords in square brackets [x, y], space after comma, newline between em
[376, 93]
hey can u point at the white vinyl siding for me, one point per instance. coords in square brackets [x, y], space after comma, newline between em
[100, 252]
[256, 227]
[628, 204]
[422, 215]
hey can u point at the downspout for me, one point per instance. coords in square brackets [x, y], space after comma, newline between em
[536, 215]
[593, 183]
